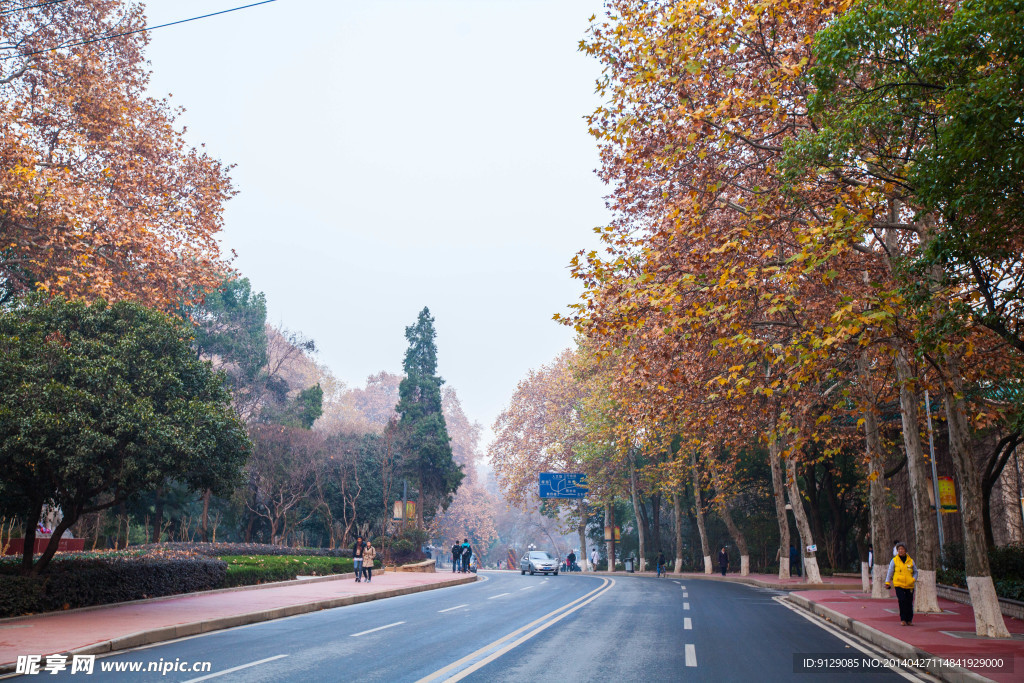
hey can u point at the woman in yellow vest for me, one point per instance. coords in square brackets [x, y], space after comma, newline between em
[902, 574]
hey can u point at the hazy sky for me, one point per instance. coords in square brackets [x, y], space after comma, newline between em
[399, 154]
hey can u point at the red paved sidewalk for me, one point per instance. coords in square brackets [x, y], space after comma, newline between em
[125, 625]
[930, 632]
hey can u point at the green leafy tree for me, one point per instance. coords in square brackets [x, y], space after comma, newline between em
[101, 402]
[427, 446]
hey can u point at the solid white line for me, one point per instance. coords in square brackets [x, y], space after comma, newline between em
[233, 669]
[820, 623]
[691, 655]
[440, 611]
[498, 595]
[442, 674]
[686, 605]
[687, 624]
[379, 628]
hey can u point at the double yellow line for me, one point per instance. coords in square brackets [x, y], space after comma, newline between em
[544, 622]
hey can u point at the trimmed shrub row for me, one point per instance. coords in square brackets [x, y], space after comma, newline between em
[82, 583]
[248, 569]
[221, 549]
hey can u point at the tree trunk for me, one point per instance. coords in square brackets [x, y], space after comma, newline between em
[988, 619]
[609, 529]
[811, 574]
[779, 490]
[31, 522]
[654, 531]
[642, 546]
[584, 558]
[876, 485]
[699, 509]
[926, 532]
[677, 514]
[70, 517]
[158, 515]
[813, 512]
[206, 516]
[862, 553]
[734, 531]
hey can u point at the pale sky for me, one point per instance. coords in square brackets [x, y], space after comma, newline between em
[397, 154]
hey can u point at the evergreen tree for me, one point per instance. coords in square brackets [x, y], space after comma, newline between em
[427, 447]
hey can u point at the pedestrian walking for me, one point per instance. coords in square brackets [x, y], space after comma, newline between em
[794, 560]
[660, 564]
[467, 552]
[594, 555]
[901, 575]
[357, 557]
[723, 560]
[369, 555]
[570, 560]
[456, 556]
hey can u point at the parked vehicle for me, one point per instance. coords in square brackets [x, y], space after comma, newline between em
[538, 561]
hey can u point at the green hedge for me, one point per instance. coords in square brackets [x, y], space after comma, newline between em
[81, 583]
[245, 570]
[221, 549]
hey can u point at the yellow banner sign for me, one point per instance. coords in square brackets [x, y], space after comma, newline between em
[947, 494]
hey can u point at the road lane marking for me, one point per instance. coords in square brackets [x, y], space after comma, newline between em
[441, 611]
[687, 624]
[676, 582]
[846, 638]
[526, 589]
[686, 605]
[379, 628]
[498, 595]
[544, 621]
[234, 669]
[685, 594]
[691, 655]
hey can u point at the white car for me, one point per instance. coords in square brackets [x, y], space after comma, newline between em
[538, 561]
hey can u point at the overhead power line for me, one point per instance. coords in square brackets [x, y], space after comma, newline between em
[40, 4]
[108, 36]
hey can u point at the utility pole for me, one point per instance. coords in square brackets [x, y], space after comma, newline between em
[935, 479]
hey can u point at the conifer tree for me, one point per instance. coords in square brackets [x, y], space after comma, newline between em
[427, 446]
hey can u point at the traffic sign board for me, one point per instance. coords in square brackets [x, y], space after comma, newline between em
[563, 485]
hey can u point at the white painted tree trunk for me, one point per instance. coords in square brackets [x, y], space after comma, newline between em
[699, 510]
[876, 483]
[811, 573]
[926, 533]
[865, 577]
[677, 511]
[781, 516]
[988, 619]
[744, 565]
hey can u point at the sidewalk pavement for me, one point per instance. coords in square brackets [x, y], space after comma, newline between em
[101, 629]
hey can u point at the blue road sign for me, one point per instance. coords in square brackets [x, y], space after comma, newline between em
[563, 485]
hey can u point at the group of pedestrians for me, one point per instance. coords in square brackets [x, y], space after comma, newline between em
[363, 555]
[462, 553]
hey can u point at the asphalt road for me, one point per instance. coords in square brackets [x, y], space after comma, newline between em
[509, 627]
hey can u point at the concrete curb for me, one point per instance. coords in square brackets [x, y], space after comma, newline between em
[891, 644]
[166, 633]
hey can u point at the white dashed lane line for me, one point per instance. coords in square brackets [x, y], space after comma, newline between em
[687, 624]
[440, 611]
[685, 594]
[498, 595]
[379, 628]
[691, 655]
[526, 589]
[686, 605]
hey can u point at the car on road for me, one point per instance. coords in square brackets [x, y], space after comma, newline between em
[537, 561]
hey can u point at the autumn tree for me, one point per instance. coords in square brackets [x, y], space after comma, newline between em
[100, 195]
